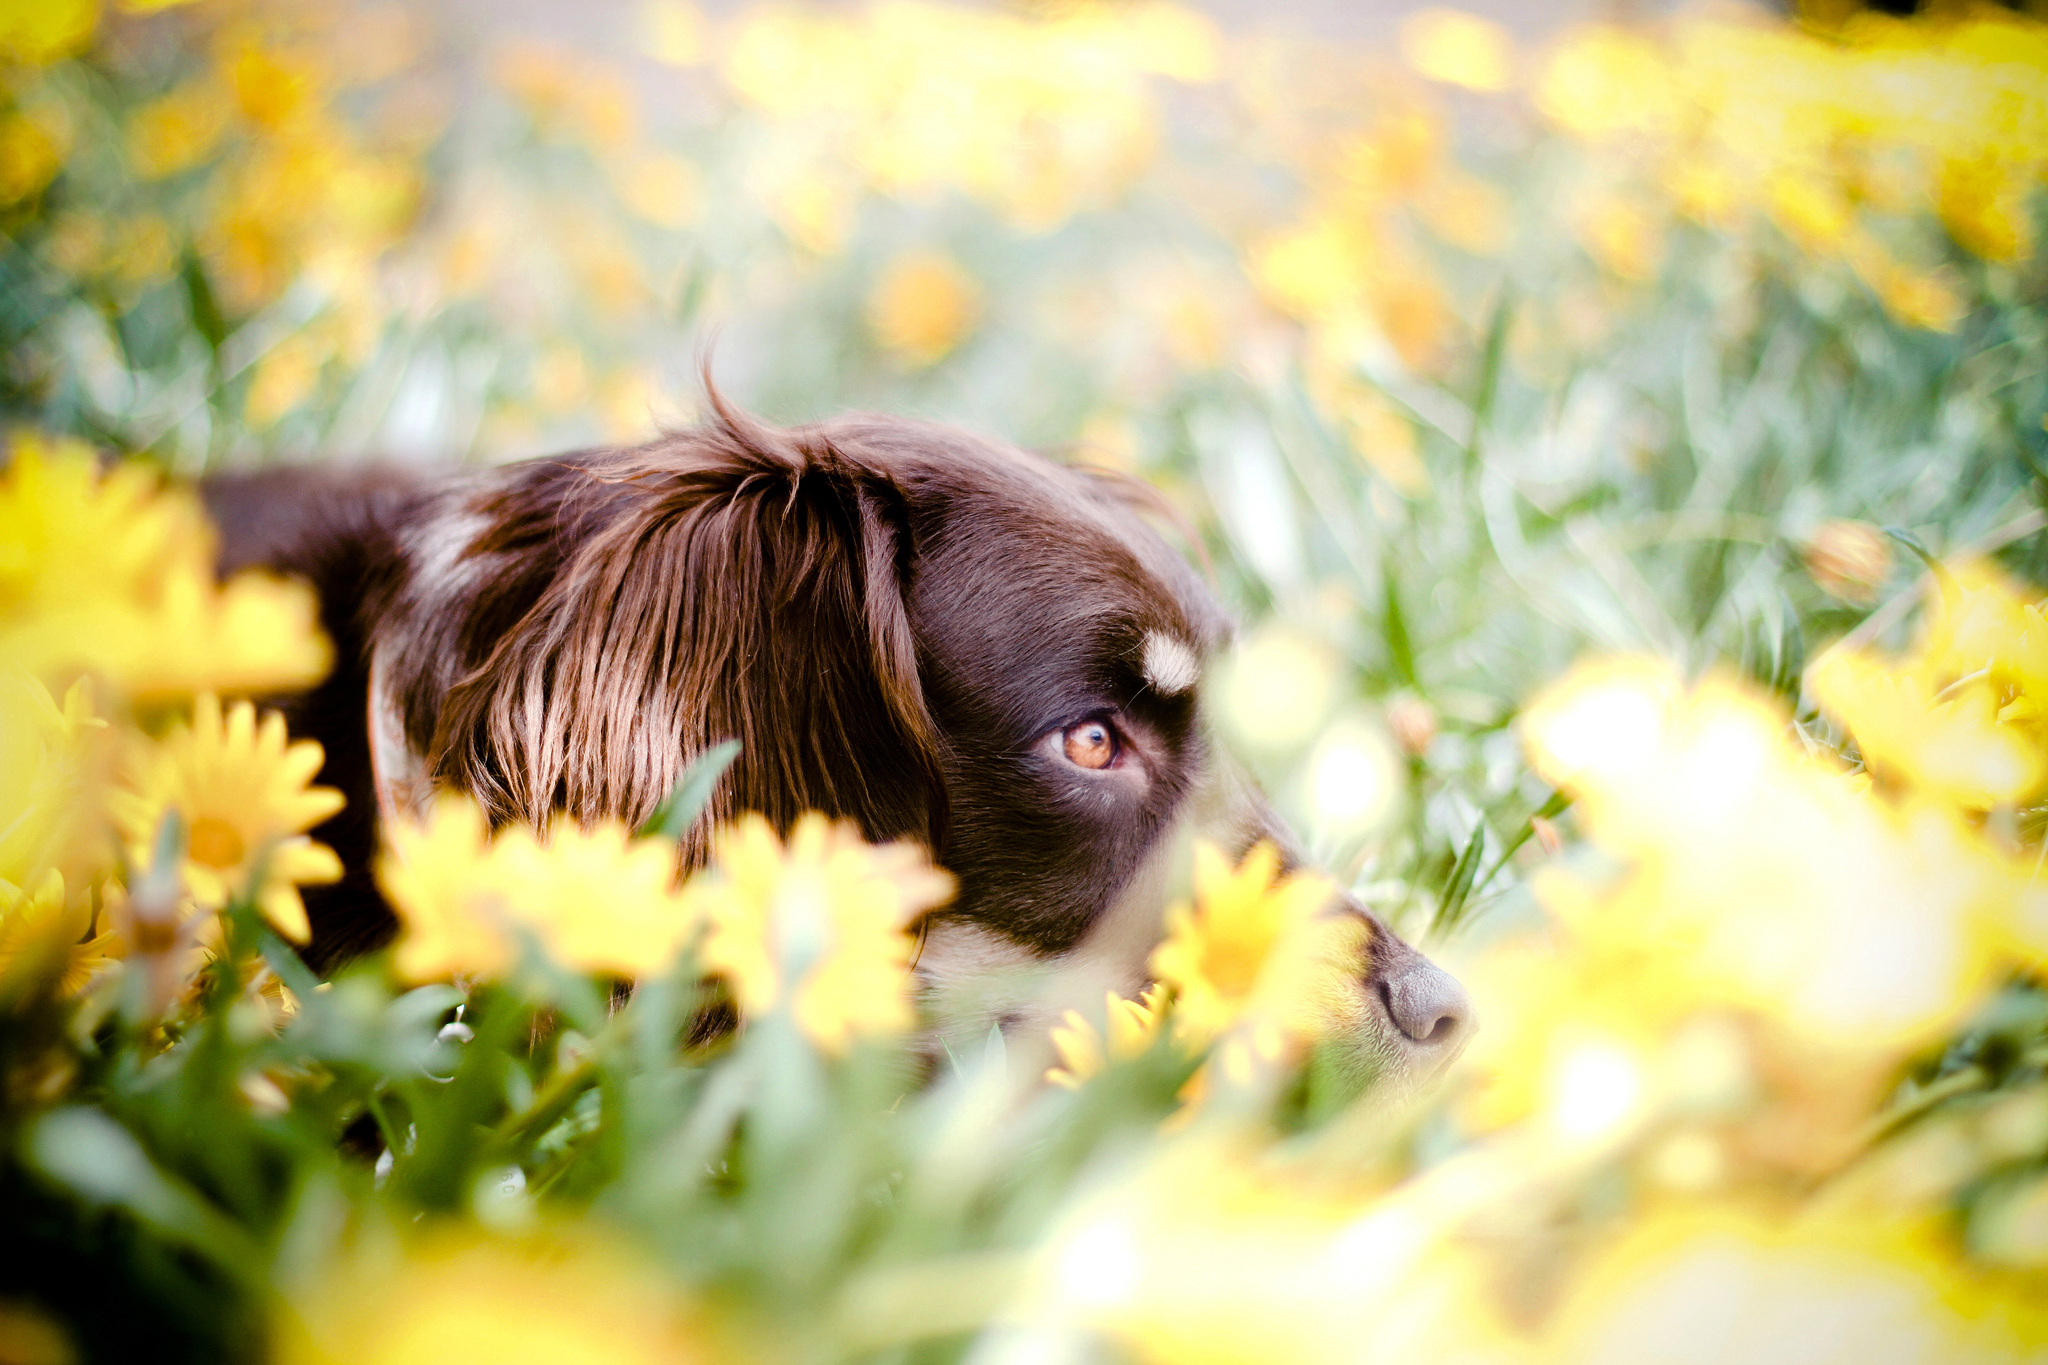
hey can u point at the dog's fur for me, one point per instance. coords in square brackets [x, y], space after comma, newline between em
[898, 622]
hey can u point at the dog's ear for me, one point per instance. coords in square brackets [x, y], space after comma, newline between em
[748, 584]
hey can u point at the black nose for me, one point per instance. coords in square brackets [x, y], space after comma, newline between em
[1427, 1005]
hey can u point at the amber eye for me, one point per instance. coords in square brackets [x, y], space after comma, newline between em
[1091, 744]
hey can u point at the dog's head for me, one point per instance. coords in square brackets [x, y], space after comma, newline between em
[930, 634]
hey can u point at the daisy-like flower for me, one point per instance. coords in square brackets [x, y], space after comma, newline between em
[42, 919]
[1251, 949]
[817, 925]
[1084, 1052]
[109, 572]
[51, 769]
[243, 791]
[599, 900]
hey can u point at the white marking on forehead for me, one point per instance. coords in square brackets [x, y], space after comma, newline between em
[1170, 666]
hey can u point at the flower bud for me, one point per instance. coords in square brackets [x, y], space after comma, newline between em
[1849, 559]
[1412, 722]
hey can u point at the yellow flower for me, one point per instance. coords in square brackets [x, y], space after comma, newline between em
[1949, 745]
[924, 304]
[598, 900]
[52, 765]
[1757, 871]
[31, 153]
[43, 919]
[242, 790]
[817, 925]
[1459, 49]
[1132, 1026]
[111, 573]
[178, 130]
[562, 1299]
[1249, 949]
[36, 32]
[1733, 1285]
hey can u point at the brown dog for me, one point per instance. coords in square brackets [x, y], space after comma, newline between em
[931, 635]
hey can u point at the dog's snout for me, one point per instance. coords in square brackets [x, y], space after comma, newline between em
[1427, 1005]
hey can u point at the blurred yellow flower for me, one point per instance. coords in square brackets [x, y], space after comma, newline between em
[674, 32]
[42, 919]
[284, 378]
[1817, 131]
[1081, 1047]
[660, 187]
[598, 900]
[243, 792]
[818, 925]
[568, 95]
[109, 572]
[272, 87]
[1759, 873]
[52, 776]
[1250, 949]
[561, 1299]
[1459, 49]
[178, 130]
[922, 306]
[1729, 1285]
[36, 32]
[1034, 116]
[32, 151]
[1947, 744]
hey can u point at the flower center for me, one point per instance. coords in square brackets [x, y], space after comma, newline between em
[215, 842]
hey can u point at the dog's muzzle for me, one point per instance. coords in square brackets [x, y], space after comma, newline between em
[1428, 1015]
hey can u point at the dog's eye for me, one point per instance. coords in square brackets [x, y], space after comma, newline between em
[1091, 744]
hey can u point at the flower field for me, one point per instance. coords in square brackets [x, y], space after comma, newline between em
[1623, 444]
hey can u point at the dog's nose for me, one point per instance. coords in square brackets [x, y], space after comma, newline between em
[1427, 1005]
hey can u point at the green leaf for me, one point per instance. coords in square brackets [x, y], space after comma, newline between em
[692, 792]
[1459, 888]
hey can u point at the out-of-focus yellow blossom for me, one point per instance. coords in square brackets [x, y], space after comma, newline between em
[1949, 745]
[1978, 620]
[1730, 114]
[1459, 49]
[1959, 716]
[112, 573]
[1758, 872]
[52, 775]
[284, 378]
[1383, 439]
[1725, 1287]
[674, 32]
[42, 919]
[922, 306]
[32, 151]
[244, 794]
[1082, 1049]
[1035, 116]
[37, 32]
[598, 900]
[552, 1300]
[178, 130]
[818, 925]
[1850, 560]
[1209, 1255]
[1253, 948]
[1622, 235]
[659, 187]
[272, 86]
[569, 96]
